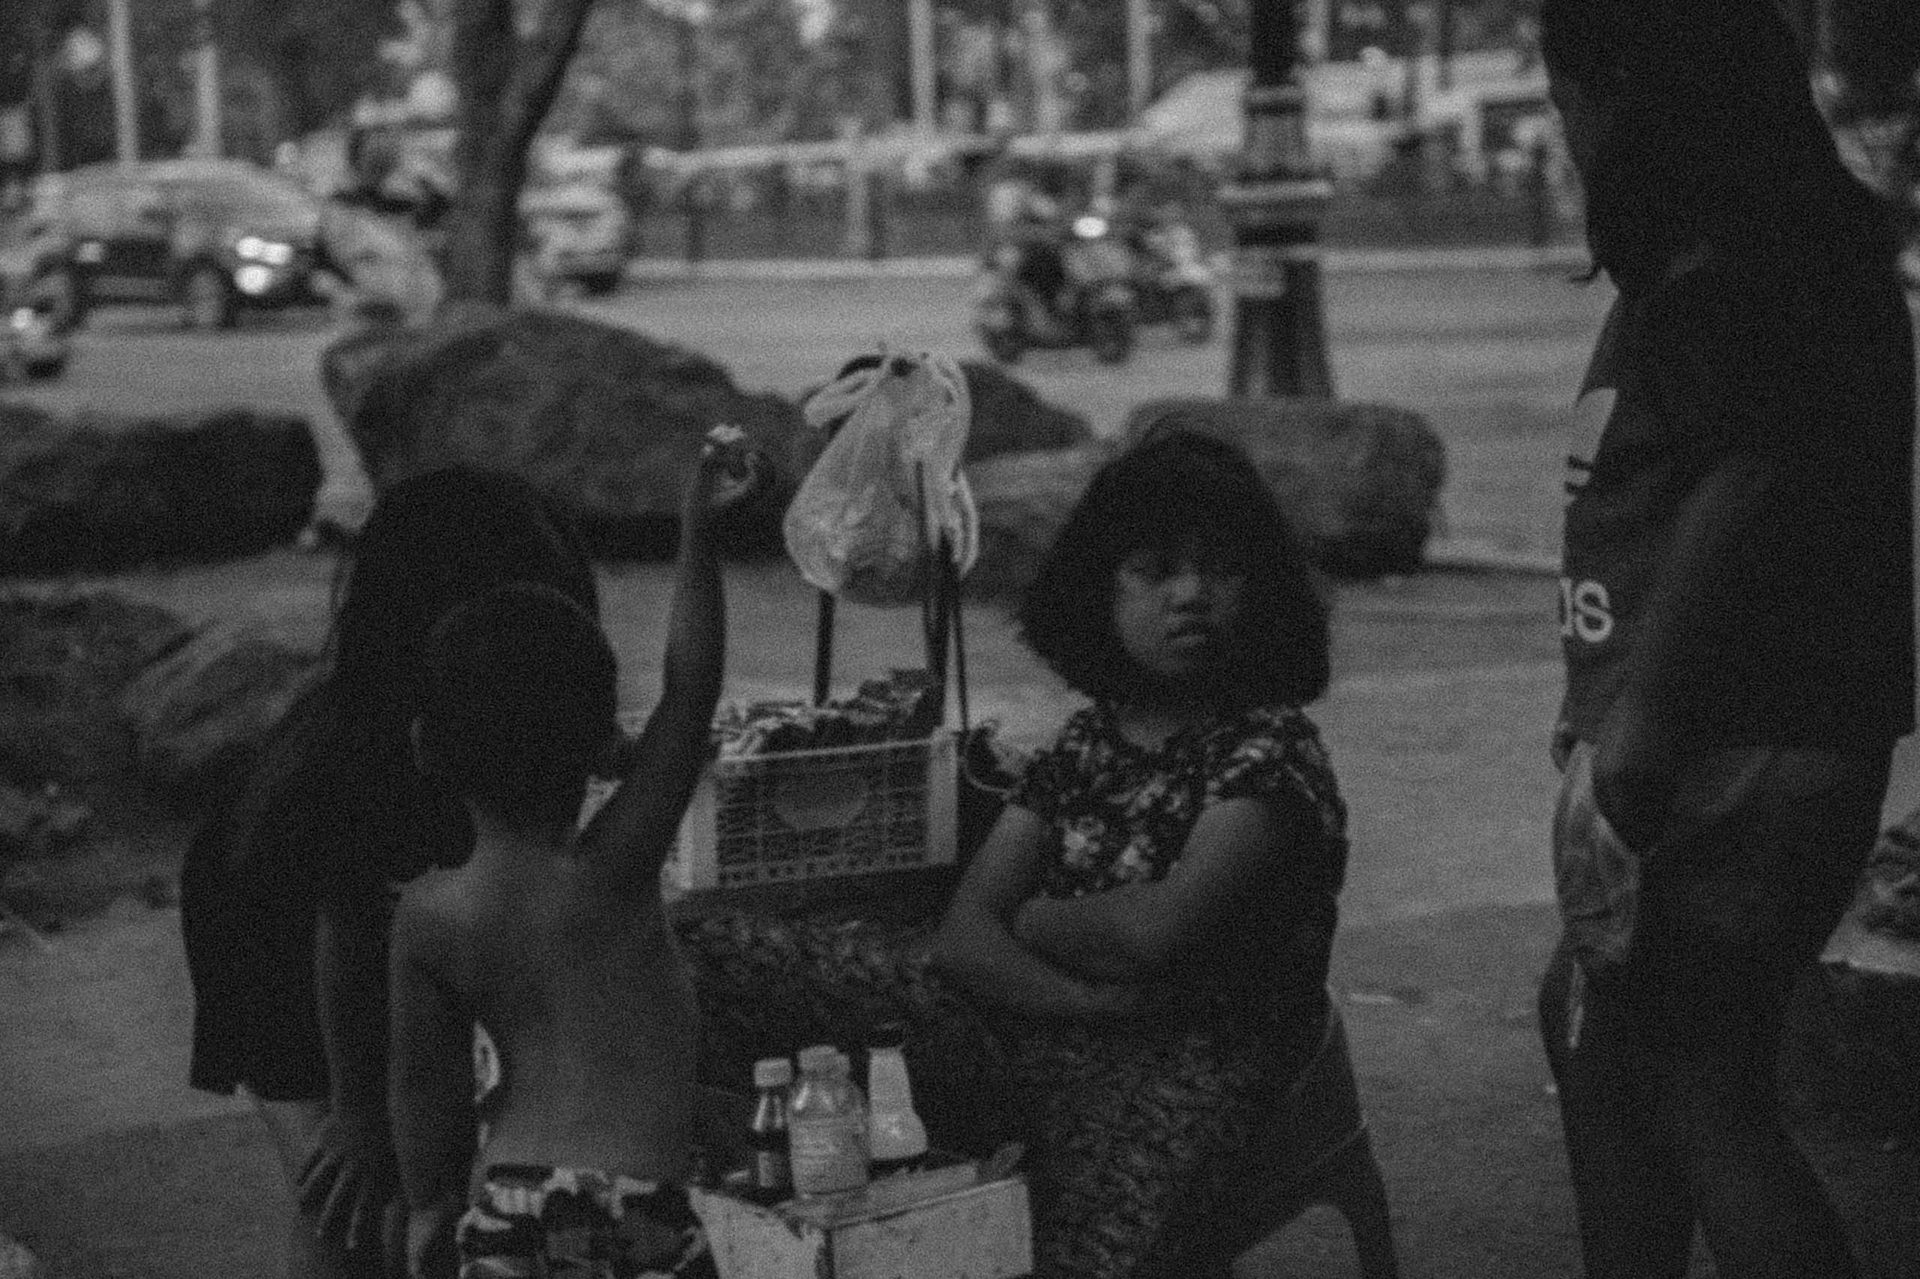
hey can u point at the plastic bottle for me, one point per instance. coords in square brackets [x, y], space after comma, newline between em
[896, 1138]
[769, 1172]
[826, 1125]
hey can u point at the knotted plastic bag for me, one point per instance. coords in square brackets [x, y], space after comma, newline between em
[870, 514]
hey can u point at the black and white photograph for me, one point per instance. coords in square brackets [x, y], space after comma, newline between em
[959, 639]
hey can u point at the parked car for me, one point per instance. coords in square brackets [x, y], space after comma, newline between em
[578, 233]
[212, 237]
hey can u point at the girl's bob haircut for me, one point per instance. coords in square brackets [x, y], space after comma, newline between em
[1176, 486]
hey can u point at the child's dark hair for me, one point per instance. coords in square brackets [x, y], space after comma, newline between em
[1178, 483]
[520, 702]
[433, 541]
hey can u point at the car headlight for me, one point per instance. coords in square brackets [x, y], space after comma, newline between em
[21, 318]
[1089, 226]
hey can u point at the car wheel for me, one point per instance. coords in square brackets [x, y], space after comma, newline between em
[1110, 334]
[601, 284]
[1193, 316]
[66, 296]
[47, 370]
[206, 300]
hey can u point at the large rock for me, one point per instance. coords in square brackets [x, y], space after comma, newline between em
[1023, 500]
[66, 659]
[200, 715]
[1360, 481]
[108, 695]
[98, 493]
[602, 418]
[1010, 417]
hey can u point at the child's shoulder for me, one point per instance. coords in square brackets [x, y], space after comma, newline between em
[438, 899]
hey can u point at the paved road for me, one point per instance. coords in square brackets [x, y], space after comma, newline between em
[1488, 356]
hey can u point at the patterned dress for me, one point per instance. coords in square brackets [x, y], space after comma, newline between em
[1136, 1130]
[1131, 1132]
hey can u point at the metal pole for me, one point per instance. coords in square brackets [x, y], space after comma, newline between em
[925, 84]
[1276, 202]
[1139, 58]
[695, 190]
[126, 124]
[46, 101]
[208, 129]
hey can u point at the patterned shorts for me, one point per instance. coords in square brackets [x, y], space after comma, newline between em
[529, 1221]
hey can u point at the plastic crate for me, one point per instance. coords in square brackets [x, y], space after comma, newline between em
[787, 816]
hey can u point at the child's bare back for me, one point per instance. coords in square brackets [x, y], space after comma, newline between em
[587, 1003]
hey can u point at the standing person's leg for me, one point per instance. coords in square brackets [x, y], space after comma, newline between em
[1631, 1196]
[1744, 916]
[293, 1126]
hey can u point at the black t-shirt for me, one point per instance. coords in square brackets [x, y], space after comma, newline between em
[332, 817]
[1820, 378]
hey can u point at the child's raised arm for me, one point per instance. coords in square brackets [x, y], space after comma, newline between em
[630, 837]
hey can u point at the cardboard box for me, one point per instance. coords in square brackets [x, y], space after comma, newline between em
[936, 1227]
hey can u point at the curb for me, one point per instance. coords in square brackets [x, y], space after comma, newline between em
[1468, 555]
[958, 266]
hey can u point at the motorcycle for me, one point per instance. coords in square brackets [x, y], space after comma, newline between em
[1094, 306]
[1174, 284]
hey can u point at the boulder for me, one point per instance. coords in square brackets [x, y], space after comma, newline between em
[99, 493]
[40, 823]
[1360, 481]
[201, 713]
[1010, 417]
[1023, 500]
[604, 419]
[67, 658]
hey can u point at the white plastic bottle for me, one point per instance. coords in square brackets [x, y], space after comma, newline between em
[896, 1137]
[826, 1125]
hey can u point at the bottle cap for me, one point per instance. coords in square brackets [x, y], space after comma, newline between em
[772, 1072]
[817, 1058]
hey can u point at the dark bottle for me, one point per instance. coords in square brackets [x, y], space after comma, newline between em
[769, 1170]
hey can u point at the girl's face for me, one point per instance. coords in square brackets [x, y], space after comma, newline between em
[1176, 609]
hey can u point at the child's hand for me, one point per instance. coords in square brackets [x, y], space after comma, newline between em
[729, 471]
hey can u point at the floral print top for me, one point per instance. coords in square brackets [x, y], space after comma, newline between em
[1123, 812]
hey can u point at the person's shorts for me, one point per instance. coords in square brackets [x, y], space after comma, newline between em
[1760, 845]
[530, 1221]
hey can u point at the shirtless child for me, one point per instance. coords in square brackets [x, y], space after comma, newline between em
[555, 941]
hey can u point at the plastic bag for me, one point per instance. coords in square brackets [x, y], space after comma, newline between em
[868, 517]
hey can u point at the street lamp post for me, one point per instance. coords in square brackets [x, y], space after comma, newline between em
[206, 82]
[688, 28]
[126, 125]
[1276, 202]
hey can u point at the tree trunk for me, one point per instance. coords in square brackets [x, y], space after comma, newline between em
[507, 74]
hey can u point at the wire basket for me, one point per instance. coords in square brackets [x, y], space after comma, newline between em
[787, 816]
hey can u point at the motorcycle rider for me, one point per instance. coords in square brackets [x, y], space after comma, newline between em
[1029, 213]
